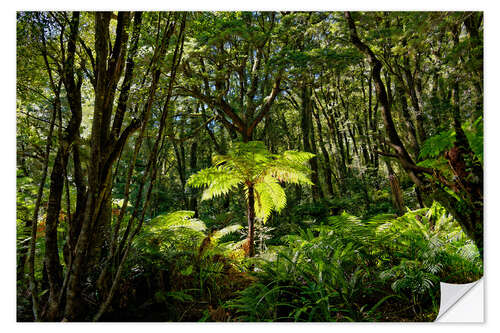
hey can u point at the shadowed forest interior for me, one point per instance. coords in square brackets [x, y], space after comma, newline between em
[247, 166]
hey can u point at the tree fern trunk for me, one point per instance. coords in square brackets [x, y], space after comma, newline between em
[251, 220]
[193, 161]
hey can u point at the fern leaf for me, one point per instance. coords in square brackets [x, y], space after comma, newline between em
[227, 230]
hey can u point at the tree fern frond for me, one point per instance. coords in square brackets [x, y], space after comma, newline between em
[469, 252]
[223, 187]
[263, 204]
[298, 157]
[220, 180]
[193, 224]
[251, 147]
[289, 174]
[275, 191]
[219, 159]
[270, 196]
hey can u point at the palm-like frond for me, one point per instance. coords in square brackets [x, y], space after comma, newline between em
[269, 196]
[219, 180]
[177, 230]
[291, 167]
[289, 174]
[297, 157]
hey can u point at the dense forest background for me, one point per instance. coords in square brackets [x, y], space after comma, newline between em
[247, 166]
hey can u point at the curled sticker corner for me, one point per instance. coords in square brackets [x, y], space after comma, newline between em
[455, 305]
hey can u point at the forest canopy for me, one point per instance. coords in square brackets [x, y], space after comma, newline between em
[247, 166]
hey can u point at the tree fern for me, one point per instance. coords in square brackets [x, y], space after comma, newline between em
[252, 166]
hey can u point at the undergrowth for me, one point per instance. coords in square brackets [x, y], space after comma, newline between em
[384, 268]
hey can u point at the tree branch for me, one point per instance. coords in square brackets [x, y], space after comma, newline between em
[267, 105]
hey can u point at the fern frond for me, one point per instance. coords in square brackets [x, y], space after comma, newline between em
[172, 218]
[193, 224]
[220, 180]
[225, 231]
[178, 219]
[269, 196]
[290, 174]
[298, 157]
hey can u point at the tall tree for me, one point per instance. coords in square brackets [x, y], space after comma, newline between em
[466, 205]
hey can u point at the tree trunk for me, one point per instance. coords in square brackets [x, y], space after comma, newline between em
[181, 169]
[307, 133]
[34, 222]
[105, 148]
[251, 220]
[54, 269]
[410, 127]
[322, 144]
[151, 171]
[415, 101]
[193, 159]
[397, 196]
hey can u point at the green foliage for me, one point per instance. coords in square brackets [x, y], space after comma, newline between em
[474, 132]
[434, 146]
[118, 203]
[251, 164]
[193, 263]
[437, 144]
[342, 257]
[315, 278]
[226, 231]
[220, 181]
[350, 269]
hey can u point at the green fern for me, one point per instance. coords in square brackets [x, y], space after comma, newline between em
[437, 144]
[260, 173]
[225, 231]
[250, 164]
[178, 219]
